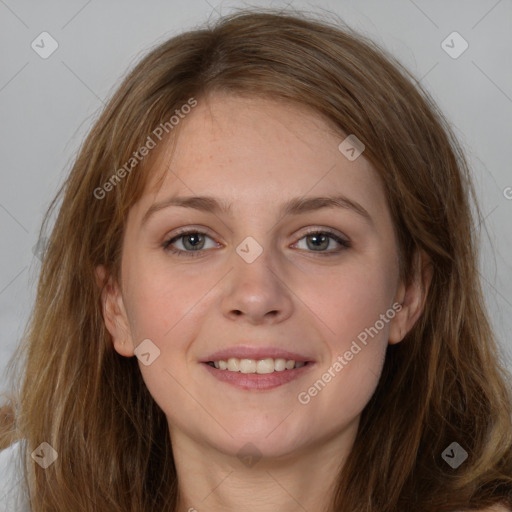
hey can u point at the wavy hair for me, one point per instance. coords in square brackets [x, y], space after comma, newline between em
[444, 382]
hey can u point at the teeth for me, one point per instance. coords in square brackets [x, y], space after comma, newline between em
[265, 366]
[246, 365]
[261, 366]
[279, 365]
[290, 364]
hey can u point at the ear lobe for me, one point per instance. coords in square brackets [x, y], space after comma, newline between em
[412, 298]
[114, 313]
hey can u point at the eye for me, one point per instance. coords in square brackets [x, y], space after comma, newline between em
[318, 241]
[192, 241]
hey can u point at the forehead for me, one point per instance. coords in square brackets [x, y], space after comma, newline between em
[256, 151]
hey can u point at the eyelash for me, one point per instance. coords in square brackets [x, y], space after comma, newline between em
[167, 244]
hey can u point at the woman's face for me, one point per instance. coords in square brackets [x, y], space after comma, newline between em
[252, 279]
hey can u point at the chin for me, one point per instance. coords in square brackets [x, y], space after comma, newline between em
[268, 439]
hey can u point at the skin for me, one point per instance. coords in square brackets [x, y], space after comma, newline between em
[256, 154]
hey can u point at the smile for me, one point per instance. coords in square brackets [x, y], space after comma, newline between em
[257, 375]
[261, 366]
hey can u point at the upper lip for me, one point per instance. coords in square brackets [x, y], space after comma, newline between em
[257, 353]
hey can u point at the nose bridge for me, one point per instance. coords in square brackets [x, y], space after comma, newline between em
[256, 289]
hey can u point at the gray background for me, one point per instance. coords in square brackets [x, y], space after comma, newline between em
[48, 105]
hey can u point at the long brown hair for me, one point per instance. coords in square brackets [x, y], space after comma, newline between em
[443, 383]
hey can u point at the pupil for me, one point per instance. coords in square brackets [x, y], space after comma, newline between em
[318, 238]
[193, 236]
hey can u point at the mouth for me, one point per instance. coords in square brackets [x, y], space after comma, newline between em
[257, 366]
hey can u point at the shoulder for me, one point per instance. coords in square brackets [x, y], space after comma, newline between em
[13, 496]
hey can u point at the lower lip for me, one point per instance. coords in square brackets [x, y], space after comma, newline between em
[255, 381]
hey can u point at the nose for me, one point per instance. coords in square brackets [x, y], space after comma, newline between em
[256, 292]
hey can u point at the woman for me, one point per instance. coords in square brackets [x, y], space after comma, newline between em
[261, 292]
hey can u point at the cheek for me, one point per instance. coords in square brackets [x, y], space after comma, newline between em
[343, 384]
[350, 300]
[165, 310]
[158, 298]
[354, 307]
[165, 307]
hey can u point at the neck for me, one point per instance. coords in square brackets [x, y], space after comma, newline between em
[218, 481]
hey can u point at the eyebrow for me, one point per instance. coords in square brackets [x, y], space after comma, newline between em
[295, 206]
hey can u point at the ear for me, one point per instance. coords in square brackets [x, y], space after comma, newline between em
[114, 313]
[412, 298]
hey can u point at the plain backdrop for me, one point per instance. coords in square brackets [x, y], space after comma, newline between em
[47, 106]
